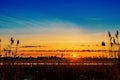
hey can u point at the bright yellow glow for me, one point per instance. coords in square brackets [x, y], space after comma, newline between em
[74, 55]
[70, 41]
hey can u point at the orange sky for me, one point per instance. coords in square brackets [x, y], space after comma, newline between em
[55, 38]
[58, 42]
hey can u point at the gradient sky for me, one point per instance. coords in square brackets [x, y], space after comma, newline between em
[41, 21]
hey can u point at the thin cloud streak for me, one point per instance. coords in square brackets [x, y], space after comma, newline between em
[94, 19]
[31, 46]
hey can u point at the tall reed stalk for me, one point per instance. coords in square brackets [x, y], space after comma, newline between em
[0, 49]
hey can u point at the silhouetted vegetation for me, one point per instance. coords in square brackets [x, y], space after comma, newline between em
[13, 67]
[59, 72]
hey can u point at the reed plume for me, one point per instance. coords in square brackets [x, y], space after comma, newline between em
[16, 48]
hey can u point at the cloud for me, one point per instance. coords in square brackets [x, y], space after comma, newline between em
[27, 24]
[93, 19]
[48, 27]
[32, 30]
[32, 46]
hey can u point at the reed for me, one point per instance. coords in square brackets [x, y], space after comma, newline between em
[16, 48]
[0, 48]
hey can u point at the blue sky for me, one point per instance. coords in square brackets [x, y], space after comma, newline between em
[24, 16]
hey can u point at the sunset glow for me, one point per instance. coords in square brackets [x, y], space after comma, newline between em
[74, 55]
[62, 25]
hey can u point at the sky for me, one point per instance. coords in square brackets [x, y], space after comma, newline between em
[49, 22]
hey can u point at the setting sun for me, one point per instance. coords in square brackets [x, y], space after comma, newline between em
[74, 55]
